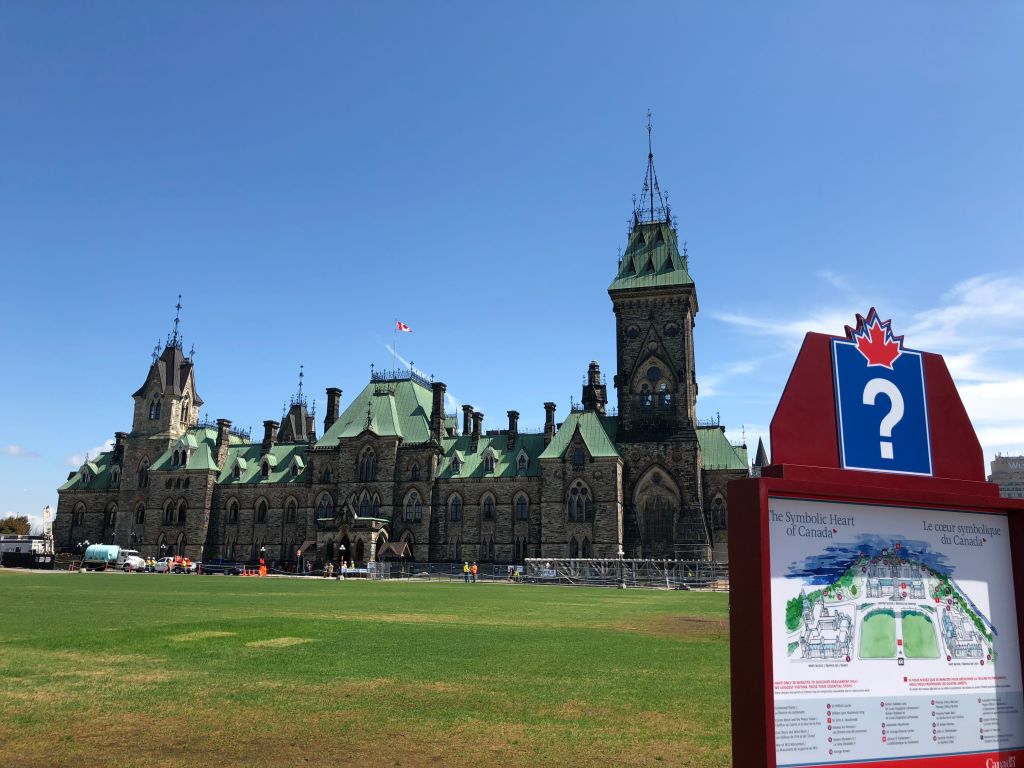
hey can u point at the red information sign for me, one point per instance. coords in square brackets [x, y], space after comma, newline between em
[878, 606]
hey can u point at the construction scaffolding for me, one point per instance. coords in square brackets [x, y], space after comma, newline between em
[616, 572]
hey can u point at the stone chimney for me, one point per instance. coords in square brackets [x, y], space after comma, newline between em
[269, 432]
[467, 415]
[437, 411]
[513, 428]
[478, 423]
[549, 422]
[119, 438]
[333, 406]
[223, 441]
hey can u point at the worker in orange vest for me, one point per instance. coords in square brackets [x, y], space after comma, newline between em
[473, 570]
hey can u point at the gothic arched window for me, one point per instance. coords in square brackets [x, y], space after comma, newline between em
[168, 513]
[261, 511]
[140, 514]
[144, 474]
[367, 466]
[232, 511]
[489, 463]
[154, 407]
[182, 511]
[414, 473]
[325, 506]
[364, 506]
[585, 549]
[522, 463]
[413, 507]
[375, 507]
[578, 506]
[522, 508]
[719, 514]
[289, 511]
[488, 507]
[265, 469]
[456, 509]
[574, 547]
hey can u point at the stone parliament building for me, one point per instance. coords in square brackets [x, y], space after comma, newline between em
[393, 475]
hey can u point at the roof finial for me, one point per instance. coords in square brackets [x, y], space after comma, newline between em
[156, 351]
[175, 339]
[301, 375]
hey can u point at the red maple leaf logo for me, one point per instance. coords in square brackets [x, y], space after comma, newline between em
[875, 340]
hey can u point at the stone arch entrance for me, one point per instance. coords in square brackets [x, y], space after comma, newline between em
[657, 504]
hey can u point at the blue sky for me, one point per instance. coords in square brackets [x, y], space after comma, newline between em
[304, 173]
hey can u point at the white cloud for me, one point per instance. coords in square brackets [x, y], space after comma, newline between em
[17, 451]
[836, 281]
[78, 459]
[792, 331]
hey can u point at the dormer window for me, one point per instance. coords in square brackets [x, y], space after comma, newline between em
[489, 462]
[86, 476]
[236, 473]
[456, 465]
[295, 470]
[522, 463]
[265, 469]
[115, 475]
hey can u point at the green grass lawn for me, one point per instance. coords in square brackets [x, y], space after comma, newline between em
[919, 639]
[878, 636]
[186, 671]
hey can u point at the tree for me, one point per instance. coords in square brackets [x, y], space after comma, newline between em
[15, 525]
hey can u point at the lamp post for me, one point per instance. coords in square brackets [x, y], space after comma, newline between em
[341, 568]
[622, 580]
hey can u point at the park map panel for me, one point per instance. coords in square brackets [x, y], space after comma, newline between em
[894, 645]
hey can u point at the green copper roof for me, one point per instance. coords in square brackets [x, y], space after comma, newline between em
[249, 459]
[506, 462]
[386, 408]
[717, 452]
[652, 259]
[202, 458]
[99, 467]
[598, 434]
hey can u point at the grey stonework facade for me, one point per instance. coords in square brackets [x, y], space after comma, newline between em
[393, 475]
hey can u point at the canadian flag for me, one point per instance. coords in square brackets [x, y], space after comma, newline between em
[403, 328]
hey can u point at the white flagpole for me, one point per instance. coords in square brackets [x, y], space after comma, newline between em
[394, 349]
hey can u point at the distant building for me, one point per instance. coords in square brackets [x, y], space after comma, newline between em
[1008, 473]
[827, 634]
[646, 479]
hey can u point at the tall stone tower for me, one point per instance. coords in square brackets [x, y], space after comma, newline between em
[655, 303]
[166, 405]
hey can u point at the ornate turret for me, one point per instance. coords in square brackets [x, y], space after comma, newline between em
[298, 425]
[167, 401]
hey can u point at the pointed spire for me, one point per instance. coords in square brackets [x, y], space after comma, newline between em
[156, 351]
[176, 337]
[650, 210]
